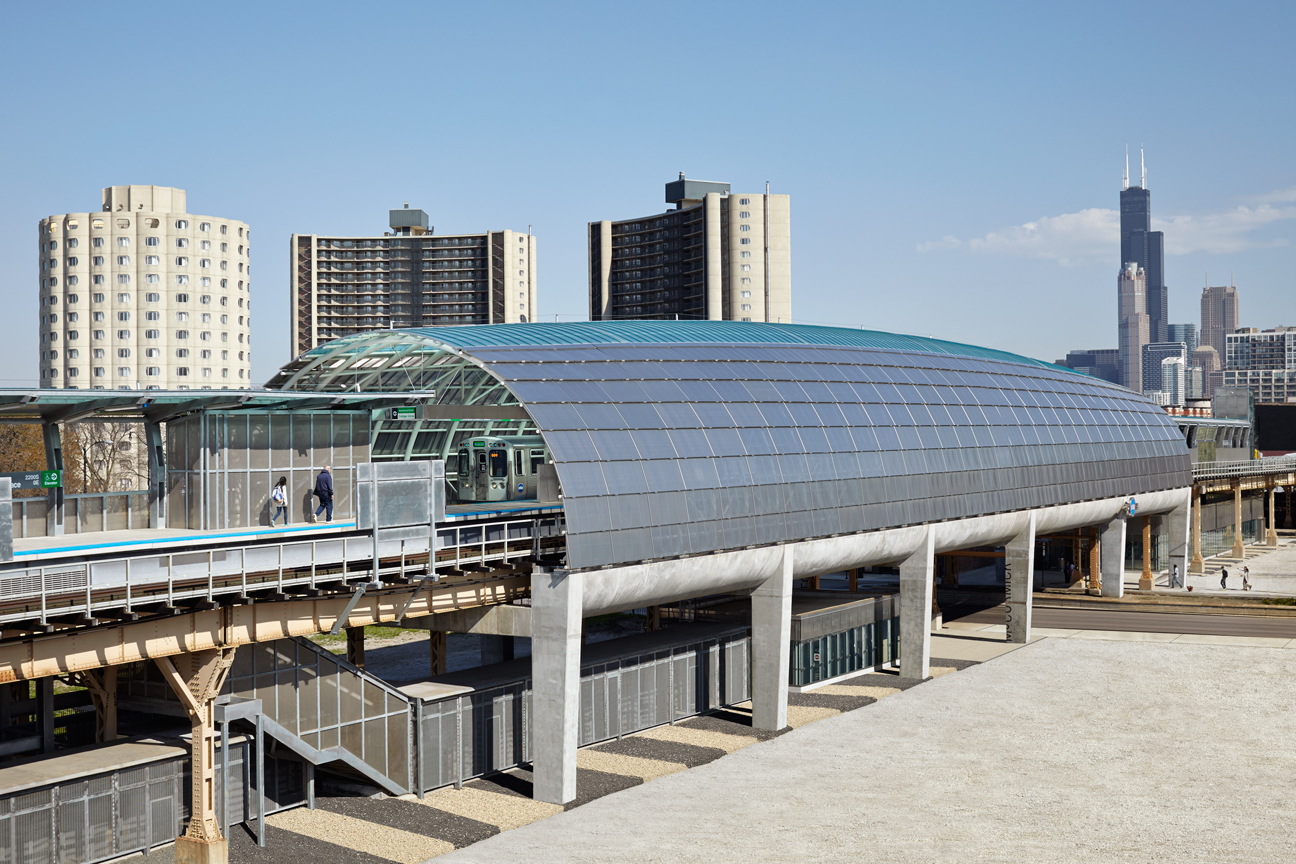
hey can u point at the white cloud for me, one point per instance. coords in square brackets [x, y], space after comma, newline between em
[1091, 235]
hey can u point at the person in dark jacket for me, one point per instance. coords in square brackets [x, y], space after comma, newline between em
[324, 492]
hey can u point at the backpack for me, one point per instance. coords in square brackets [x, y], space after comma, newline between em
[277, 495]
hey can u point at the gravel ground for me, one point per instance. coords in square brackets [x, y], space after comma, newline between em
[821, 699]
[282, 847]
[409, 816]
[484, 801]
[1061, 751]
[732, 722]
[630, 766]
[374, 835]
[647, 746]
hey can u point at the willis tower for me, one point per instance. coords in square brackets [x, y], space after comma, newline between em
[1145, 247]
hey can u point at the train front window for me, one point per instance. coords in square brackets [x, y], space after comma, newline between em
[537, 459]
[481, 463]
[465, 466]
[498, 463]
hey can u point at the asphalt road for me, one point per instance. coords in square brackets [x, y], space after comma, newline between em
[1142, 622]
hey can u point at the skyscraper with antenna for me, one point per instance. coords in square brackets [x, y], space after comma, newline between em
[1144, 247]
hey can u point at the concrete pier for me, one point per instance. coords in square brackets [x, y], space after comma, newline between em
[1113, 557]
[771, 635]
[1019, 582]
[917, 577]
[556, 603]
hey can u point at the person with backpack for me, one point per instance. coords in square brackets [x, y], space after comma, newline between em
[279, 498]
[324, 492]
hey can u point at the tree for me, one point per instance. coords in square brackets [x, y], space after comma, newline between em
[22, 449]
[104, 457]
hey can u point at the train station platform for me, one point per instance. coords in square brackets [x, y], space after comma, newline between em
[146, 539]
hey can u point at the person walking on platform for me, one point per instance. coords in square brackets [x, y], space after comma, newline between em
[1246, 578]
[1224, 578]
[1175, 580]
[279, 498]
[324, 492]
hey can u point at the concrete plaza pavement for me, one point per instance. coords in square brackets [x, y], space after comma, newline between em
[1068, 749]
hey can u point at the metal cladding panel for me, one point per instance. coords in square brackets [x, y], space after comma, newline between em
[735, 445]
[682, 437]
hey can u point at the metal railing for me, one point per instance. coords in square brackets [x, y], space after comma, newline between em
[113, 582]
[1249, 468]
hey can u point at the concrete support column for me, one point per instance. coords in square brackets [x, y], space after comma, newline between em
[1019, 582]
[355, 646]
[556, 606]
[1145, 579]
[853, 577]
[771, 641]
[1113, 558]
[917, 573]
[156, 475]
[654, 618]
[437, 653]
[492, 649]
[45, 712]
[53, 462]
[1198, 564]
[1177, 543]
[197, 679]
[1271, 536]
[1239, 551]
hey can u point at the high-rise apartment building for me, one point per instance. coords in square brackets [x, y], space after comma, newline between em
[409, 277]
[1173, 380]
[1132, 324]
[1185, 333]
[1146, 248]
[1263, 361]
[143, 294]
[718, 255]
[1153, 355]
[1219, 316]
[1253, 348]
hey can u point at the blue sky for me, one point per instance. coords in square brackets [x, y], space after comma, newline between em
[954, 168]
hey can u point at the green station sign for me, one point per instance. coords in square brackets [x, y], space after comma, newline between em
[34, 479]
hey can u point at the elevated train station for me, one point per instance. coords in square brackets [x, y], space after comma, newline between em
[515, 480]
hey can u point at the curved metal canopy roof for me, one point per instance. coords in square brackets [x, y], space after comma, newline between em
[676, 438]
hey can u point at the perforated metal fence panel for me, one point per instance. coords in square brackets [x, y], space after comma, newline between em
[486, 731]
[96, 818]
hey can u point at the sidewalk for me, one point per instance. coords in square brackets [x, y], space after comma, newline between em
[1273, 574]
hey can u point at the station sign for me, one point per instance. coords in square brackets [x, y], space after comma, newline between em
[34, 479]
[405, 412]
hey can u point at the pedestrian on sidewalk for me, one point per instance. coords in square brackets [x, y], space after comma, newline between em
[1224, 578]
[1175, 579]
[1246, 581]
[324, 492]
